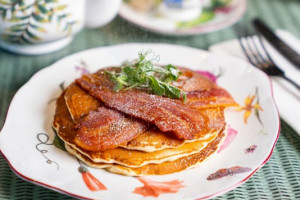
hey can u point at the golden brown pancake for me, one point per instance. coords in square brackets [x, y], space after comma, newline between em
[133, 158]
[134, 133]
[150, 140]
[190, 80]
[121, 156]
[79, 102]
[156, 169]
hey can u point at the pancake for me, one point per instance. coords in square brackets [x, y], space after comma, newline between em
[65, 129]
[153, 139]
[79, 102]
[150, 140]
[190, 80]
[132, 158]
[134, 133]
[156, 169]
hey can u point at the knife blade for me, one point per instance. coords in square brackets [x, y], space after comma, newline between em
[289, 53]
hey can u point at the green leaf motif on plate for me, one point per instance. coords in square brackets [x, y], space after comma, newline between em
[27, 19]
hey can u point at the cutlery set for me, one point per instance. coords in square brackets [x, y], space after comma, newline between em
[257, 54]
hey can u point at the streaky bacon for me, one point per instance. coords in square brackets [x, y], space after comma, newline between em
[106, 129]
[98, 127]
[167, 114]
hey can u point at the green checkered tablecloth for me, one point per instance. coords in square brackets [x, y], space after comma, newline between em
[278, 179]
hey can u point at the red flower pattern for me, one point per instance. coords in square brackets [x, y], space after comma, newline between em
[156, 188]
[91, 182]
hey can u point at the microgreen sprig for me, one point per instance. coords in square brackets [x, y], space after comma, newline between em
[143, 74]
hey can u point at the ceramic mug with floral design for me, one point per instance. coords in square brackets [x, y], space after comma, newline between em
[42, 26]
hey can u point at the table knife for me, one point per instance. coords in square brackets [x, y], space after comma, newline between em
[276, 42]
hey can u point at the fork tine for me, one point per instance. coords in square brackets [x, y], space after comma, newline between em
[253, 54]
[264, 49]
[259, 54]
[240, 37]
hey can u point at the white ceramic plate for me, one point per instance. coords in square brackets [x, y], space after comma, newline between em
[161, 24]
[26, 138]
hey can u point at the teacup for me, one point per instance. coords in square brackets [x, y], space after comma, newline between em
[41, 26]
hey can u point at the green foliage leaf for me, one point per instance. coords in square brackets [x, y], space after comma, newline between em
[173, 92]
[157, 87]
[142, 74]
[58, 143]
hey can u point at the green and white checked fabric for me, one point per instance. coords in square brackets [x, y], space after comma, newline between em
[278, 179]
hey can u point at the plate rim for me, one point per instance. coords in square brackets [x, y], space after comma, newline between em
[191, 31]
[62, 191]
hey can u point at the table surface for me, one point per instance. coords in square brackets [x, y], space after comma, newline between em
[278, 179]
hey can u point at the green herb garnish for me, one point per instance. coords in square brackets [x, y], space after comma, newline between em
[143, 74]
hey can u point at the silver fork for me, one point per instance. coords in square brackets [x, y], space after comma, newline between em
[259, 57]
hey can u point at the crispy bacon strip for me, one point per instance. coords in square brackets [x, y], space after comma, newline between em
[167, 114]
[98, 127]
[106, 129]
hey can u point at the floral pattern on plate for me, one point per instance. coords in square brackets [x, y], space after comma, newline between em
[29, 115]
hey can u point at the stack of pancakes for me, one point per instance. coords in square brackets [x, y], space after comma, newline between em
[135, 133]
